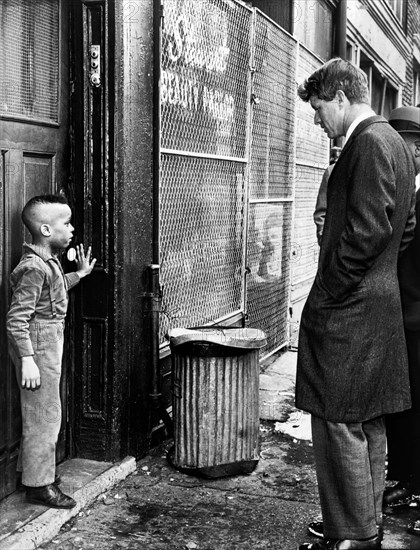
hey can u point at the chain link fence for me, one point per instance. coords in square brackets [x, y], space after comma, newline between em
[271, 180]
[228, 119]
[311, 158]
[201, 239]
[204, 77]
[205, 90]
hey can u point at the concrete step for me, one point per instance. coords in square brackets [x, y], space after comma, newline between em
[24, 526]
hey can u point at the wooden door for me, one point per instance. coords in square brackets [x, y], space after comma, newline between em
[34, 89]
[91, 166]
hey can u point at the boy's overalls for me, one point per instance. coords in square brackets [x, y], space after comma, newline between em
[35, 326]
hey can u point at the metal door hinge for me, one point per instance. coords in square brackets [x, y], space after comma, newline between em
[95, 66]
[162, 16]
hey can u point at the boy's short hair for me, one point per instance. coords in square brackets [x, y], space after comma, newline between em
[36, 201]
[336, 74]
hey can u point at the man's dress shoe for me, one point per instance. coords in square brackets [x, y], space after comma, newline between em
[400, 495]
[49, 495]
[316, 528]
[414, 527]
[370, 544]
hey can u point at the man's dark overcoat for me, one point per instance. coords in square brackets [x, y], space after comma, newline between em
[352, 359]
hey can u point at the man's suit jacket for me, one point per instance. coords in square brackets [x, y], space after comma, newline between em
[321, 203]
[409, 276]
[352, 359]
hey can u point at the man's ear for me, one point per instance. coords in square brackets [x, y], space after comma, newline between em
[341, 97]
[45, 230]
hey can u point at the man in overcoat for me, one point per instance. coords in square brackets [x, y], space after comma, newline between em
[403, 429]
[352, 360]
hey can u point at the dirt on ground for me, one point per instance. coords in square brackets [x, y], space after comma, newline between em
[160, 508]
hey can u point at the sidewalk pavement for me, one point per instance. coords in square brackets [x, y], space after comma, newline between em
[150, 505]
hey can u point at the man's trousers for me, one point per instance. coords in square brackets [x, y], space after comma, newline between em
[403, 429]
[350, 468]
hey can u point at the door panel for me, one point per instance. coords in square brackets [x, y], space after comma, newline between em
[90, 155]
[34, 91]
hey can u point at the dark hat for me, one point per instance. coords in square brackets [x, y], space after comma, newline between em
[405, 119]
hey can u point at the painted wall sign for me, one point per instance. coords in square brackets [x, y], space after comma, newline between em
[204, 75]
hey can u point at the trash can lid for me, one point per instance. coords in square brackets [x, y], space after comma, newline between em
[244, 338]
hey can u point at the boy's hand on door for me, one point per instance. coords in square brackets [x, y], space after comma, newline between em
[84, 262]
[31, 378]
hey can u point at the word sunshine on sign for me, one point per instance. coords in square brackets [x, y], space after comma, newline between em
[201, 85]
[196, 37]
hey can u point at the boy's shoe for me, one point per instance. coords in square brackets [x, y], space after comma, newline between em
[49, 495]
[20, 485]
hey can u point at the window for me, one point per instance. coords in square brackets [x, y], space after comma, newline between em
[383, 95]
[416, 89]
[280, 12]
[389, 100]
[353, 53]
[314, 26]
[397, 6]
[29, 59]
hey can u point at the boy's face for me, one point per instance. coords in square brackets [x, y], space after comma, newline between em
[60, 228]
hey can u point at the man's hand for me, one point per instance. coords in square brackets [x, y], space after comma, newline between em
[31, 379]
[83, 261]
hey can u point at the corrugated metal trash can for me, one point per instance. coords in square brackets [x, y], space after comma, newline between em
[215, 376]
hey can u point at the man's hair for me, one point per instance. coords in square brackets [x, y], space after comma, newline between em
[335, 75]
[33, 203]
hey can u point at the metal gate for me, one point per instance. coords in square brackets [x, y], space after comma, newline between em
[312, 148]
[227, 164]
[271, 180]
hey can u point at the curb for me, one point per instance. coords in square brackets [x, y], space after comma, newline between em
[44, 527]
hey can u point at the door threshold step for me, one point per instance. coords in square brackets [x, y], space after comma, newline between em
[25, 526]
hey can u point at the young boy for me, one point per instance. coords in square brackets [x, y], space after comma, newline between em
[35, 328]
